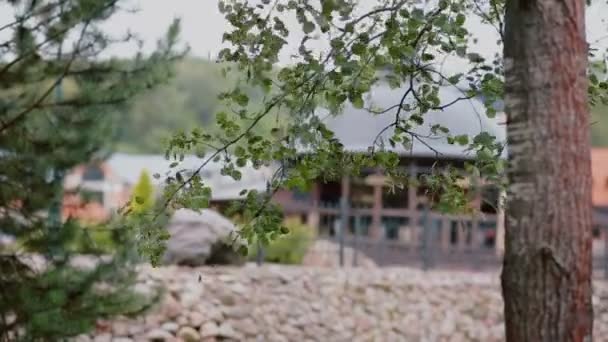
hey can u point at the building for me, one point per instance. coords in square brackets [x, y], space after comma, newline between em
[401, 216]
[96, 191]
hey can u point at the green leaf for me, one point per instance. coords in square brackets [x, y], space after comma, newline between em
[454, 79]
[460, 19]
[461, 51]
[427, 57]
[462, 139]
[242, 99]
[475, 57]
[308, 27]
[418, 119]
[359, 49]
[358, 102]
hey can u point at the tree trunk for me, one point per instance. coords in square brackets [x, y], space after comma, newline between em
[546, 277]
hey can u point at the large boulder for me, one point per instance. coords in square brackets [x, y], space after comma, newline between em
[201, 238]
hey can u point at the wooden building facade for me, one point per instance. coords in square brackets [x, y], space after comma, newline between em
[375, 212]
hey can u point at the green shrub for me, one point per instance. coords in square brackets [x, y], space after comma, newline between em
[290, 248]
[79, 238]
[142, 199]
[99, 239]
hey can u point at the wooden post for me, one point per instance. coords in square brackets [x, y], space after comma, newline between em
[445, 234]
[377, 232]
[412, 200]
[476, 241]
[604, 233]
[356, 240]
[313, 218]
[499, 239]
[427, 248]
[344, 203]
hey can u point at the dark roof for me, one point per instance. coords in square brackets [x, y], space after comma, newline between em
[357, 128]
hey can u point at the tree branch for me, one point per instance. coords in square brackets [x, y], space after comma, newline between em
[22, 114]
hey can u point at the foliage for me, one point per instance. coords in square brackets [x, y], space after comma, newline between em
[189, 99]
[399, 43]
[599, 125]
[99, 239]
[289, 248]
[142, 199]
[64, 298]
[52, 46]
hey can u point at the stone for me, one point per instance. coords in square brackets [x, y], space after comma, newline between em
[159, 335]
[447, 327]
[145, 290]
[196, 319]
[136, 329]
[103, 338]
[122, 339]
[226, 330]
[238, 288]
[318, 304]
[209, 329]
[170, 327]
[246, 326]
[214, 313]
[189, 300]
[82, 338]
[199, 239]
[182, 320]
[120, 328]
[170, 308]
[276, 337]
[237, 312]
[227, 298]
[188, 334]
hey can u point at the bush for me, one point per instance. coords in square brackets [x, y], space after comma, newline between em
[142, 199]
[96, 240]
[290, 248]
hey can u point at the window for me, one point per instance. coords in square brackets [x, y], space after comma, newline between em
[364, 223]
[396, 198]
[301, 196]
[93, 173]
[392, 226]
[92, 196]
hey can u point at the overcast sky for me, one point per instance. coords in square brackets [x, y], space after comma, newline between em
[203, 26]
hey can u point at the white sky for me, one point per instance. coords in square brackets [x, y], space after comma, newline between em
[203, 26]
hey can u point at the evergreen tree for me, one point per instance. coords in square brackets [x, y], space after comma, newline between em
[59, 100]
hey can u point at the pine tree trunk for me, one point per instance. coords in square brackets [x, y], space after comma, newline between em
[546, 277]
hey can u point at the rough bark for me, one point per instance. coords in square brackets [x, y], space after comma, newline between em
[546, 277]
